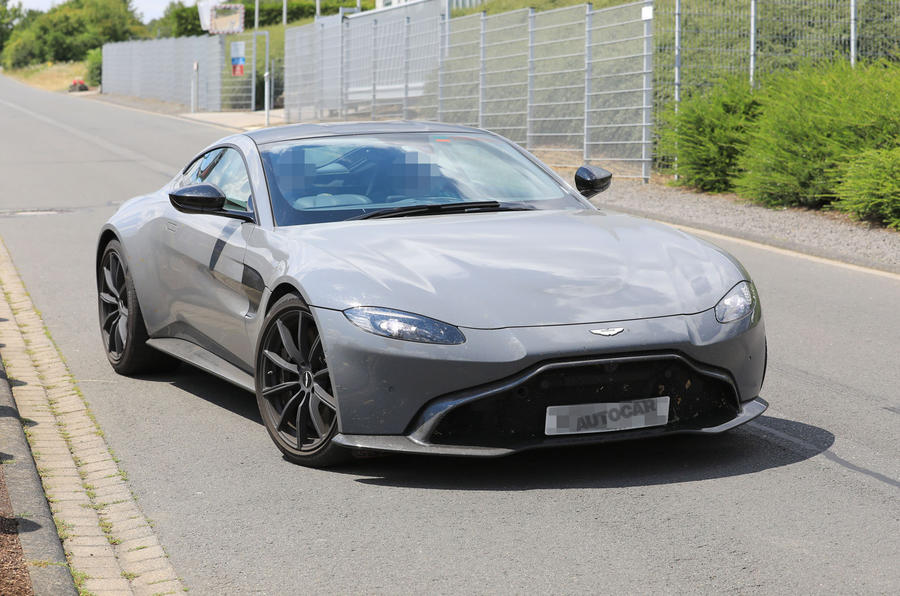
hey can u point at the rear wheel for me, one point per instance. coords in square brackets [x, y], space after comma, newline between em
[121, 323]
[293, 386]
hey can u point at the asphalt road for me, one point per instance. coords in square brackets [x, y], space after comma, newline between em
[803, 500]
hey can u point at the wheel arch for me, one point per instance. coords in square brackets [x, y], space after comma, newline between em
[107, 235]
[281, 289]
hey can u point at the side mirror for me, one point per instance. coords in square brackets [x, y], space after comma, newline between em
[204, 199]
[591, 180]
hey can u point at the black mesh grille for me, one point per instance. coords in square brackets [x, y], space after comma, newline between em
[516, 416]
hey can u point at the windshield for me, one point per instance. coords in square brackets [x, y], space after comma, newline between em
[338, 178]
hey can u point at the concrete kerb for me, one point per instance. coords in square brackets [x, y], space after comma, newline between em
[41, 547]
[91, 510]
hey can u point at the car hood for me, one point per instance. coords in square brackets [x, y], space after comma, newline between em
[506, 269]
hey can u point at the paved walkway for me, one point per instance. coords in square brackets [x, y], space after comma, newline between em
[238, 120]
[109, 545]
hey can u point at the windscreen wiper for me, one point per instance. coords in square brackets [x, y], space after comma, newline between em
[464, 207]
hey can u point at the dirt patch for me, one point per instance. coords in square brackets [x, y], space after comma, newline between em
[14, 578]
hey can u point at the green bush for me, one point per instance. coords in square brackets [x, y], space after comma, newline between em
[708, 134]
[870, 186]
[812, 121]
[94, 64]
[23, 49]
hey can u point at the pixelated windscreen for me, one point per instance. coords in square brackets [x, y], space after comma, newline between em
[338, 178]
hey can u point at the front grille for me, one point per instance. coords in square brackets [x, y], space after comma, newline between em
[516, 416]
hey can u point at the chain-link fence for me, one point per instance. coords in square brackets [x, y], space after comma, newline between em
[570, 84]
[163, 69]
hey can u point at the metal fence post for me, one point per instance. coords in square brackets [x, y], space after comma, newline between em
[268, 69]
[253, 77]
[752, 40]
[195, 86]
[406, 68]
[266, 94]
[677, 53]
[588, 17]
[447, 9]
[374, 62]
[342, 78]
[852, 32]
[320, 72]
[442, 58]
[530, 98]
[481, 73]
[648, 74]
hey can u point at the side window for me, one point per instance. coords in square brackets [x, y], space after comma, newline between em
[190, 176]
[230, 175]
[225, 169]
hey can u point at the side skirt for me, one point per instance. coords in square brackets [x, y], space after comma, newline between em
[204, 360]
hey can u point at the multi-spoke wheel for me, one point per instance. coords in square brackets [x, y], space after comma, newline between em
[121, 324]
[113, 304]
[293, 387]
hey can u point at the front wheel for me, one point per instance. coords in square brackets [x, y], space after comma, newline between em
[293, 386]
[121, 322]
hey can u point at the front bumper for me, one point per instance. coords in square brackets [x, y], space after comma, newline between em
[411, 444]
[389, 390]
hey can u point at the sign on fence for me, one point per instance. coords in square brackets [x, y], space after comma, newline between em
[238, 58]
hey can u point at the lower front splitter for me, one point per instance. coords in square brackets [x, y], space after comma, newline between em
[407, 444]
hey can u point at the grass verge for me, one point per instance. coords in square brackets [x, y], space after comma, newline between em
[50, 76]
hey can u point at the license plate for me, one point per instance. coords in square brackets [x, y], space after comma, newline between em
[599, 418]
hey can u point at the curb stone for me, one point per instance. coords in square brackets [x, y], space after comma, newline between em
[41, 547]
[92, 506]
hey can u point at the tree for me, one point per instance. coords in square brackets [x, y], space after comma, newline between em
[9, 15]
[67, 31]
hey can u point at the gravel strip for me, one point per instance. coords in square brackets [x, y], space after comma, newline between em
[825, 234]
[13, 572]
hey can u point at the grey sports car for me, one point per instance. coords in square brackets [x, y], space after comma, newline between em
[419, 287]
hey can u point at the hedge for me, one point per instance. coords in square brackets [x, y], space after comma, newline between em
[708, 134]
[810, 136]
[812, 122]
[869, 187]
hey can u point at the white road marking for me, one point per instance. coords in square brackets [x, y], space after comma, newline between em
[157, 166]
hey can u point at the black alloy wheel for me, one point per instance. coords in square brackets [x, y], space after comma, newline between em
[293, 386]
[121, 322]
[113, 304]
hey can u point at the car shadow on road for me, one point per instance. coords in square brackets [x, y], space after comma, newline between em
[210, 388]
[665, 460]
[748, 449]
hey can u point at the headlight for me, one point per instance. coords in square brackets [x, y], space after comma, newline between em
[403, 325]
[737, 303]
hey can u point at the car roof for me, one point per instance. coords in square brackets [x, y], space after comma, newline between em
[309, 131]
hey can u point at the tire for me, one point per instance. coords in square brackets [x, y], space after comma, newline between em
[293, 388]
[122, 326]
